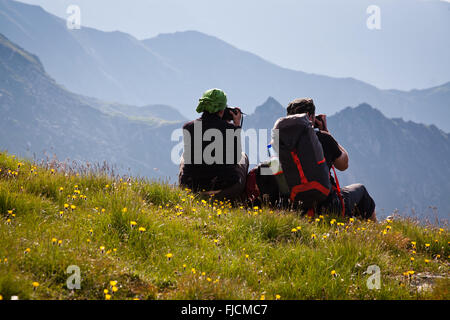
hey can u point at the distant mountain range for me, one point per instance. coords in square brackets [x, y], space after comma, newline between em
[174, 69]
[403, 164]
[39, 118]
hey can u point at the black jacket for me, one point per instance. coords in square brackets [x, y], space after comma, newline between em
[197, 173]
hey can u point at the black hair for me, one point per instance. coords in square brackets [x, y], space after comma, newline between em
[302, 105]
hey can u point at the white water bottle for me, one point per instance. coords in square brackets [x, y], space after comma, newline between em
[277, 171]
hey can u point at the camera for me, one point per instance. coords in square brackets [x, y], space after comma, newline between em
[227, 116]
[319, 118]
[320, 122]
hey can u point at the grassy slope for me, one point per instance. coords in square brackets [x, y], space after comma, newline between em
[217, 252]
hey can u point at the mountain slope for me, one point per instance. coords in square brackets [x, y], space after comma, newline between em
[86, 61]
[156, 111]
[37, 116]
[175, 69]
[403, 164]
[245, 77]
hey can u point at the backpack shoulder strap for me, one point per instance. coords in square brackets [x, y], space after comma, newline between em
[338, 187]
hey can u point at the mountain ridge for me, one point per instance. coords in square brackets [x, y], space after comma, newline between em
[38, 117]
[160, 70]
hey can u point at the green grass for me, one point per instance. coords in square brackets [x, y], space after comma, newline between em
[217, 251]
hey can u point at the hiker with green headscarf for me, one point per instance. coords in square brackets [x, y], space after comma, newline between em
[212, 160]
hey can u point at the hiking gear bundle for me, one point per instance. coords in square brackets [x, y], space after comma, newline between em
[302, 159]
[277, 171]
[263, 188]
[212, 101]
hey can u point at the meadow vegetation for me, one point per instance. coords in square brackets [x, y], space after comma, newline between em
[134, 238]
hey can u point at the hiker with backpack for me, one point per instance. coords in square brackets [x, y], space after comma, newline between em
[213, 162]
[308, 171]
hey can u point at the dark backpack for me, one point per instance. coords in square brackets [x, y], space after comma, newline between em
[263, 188]
[302, 159]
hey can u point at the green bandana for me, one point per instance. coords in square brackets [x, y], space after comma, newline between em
[212, 101]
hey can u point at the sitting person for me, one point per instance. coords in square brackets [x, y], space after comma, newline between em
[357, 201]
[212, 160]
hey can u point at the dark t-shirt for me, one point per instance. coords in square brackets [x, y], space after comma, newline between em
[330, 147]
[205, 175]
[331, 152]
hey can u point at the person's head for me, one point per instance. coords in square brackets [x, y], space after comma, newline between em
[213, 101]
[302, 105]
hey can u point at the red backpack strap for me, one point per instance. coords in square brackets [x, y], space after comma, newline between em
[305, 185]
[310, 212]
[339, 191]
[251, 187]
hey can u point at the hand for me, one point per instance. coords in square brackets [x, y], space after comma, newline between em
[321, 122]
[237, 117]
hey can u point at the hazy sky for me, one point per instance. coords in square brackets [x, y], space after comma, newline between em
[277, 30]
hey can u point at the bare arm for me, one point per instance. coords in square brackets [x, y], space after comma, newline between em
[341, 163]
